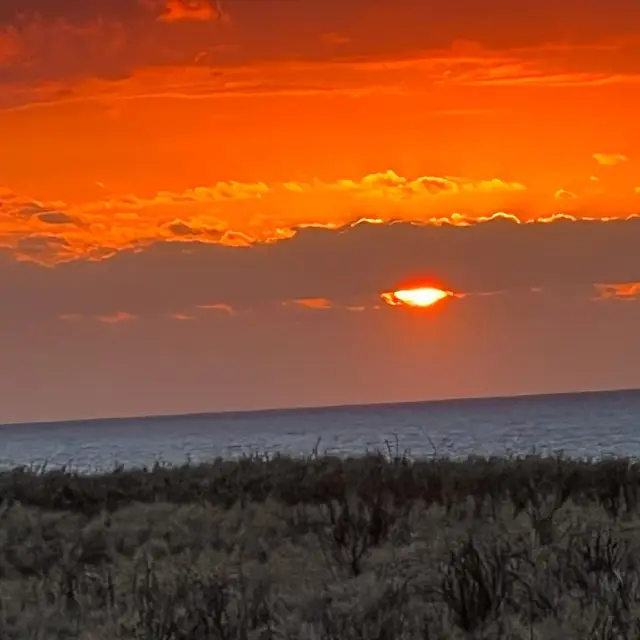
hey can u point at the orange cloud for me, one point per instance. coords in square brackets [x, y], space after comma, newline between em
[618, 291]
[116, 318]
[239, 214]
[182, 317]
[311, 303]
[200, 10]
[158, 75]
[219, 192]
[389, 184]
[562, 194]
[527, 75]
[218, 306]
[609, 159]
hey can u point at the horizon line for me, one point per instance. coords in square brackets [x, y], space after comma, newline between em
[318, 408]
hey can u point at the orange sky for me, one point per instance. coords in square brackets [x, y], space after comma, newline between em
[201, 202]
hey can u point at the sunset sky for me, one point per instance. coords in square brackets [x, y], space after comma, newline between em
[201, 203]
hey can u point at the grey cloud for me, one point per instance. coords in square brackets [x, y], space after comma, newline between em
[41, 244]
[19, 209]
[463, 11]
[74, 11]
[33, 209]
[185, 230]
[55, 217]
[349, 267]
[182, 229]
[68, 39]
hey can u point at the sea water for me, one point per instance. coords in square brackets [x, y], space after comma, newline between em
[579, 425]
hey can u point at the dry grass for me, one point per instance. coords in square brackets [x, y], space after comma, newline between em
[324, 548]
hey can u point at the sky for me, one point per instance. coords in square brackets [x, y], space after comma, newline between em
[202, 203]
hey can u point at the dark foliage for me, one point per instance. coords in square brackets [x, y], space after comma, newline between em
[359, 548]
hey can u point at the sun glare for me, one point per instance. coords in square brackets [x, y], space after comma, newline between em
[418, 297]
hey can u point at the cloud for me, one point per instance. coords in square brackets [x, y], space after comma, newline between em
[182, 317]
[347, 267]
[219, 192]
[311, 303]
[182, 229]
[239, 214]
[199, 10]
[78, 12]
[39, 247]
[16, 206]
[562, 194]
[609, 159]
[55, 217]
[145, 62]
[116, 318]
[618, 291]
[82, 51]
[454, 17]
[389, 184]
[520, 76]
[218, 306]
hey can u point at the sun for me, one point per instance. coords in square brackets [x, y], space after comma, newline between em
[415, 297]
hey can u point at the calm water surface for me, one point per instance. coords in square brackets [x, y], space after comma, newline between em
[585, 424]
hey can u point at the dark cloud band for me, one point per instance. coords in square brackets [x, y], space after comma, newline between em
[348, 267]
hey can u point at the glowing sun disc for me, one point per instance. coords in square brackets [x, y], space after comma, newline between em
[419, 297]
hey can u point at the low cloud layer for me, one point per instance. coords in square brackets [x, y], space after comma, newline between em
[323, 268]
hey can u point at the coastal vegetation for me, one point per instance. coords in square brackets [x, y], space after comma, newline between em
[274, 547]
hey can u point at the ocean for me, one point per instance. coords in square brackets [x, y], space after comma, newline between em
[578, 424]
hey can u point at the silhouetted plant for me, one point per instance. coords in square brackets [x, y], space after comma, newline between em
[600, 551]
[476, 583]
[349, 534]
